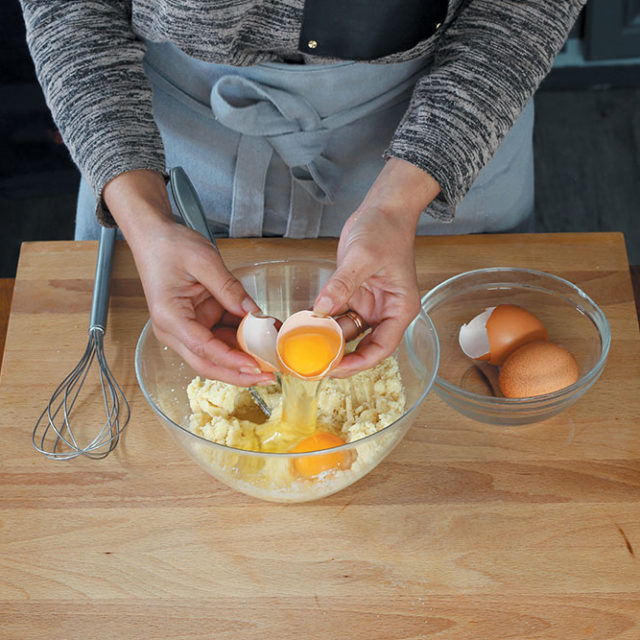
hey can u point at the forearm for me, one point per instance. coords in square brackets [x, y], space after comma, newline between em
[138, 202]
[488, 65]
[89, 63]
[402, 192]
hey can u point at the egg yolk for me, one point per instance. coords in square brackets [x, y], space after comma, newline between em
[309, 350]
[310, 466]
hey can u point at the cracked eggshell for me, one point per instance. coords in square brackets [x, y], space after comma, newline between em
[498, 331]
[473, 338]
[324, 326]
[257, 336]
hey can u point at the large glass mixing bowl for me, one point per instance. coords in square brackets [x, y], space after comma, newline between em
[282, 288]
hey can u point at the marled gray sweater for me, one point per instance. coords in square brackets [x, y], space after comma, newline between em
[490, 56]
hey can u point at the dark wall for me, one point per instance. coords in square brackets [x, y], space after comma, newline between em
[38, 180]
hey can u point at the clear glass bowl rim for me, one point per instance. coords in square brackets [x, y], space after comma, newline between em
[267, 454]
[597, 317]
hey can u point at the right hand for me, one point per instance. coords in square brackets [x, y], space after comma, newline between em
[195, 303]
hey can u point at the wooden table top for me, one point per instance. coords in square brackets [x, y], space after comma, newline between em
[466, 531]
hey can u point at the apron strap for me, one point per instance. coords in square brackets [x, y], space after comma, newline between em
[305, 214]
[249, 180]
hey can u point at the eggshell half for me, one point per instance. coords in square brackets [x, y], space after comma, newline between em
[303, 320]
[473, 338]
[257, 336]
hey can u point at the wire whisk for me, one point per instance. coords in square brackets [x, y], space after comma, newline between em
[52, 435]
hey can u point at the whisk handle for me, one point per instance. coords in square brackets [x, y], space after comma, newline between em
[100, 302]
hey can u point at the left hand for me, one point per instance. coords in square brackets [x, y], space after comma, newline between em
[375, 274]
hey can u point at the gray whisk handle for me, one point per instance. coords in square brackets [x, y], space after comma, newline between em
[100, 302]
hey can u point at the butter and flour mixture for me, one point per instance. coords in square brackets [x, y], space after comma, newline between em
[351, 408]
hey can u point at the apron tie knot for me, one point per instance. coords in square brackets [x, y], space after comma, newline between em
[270, 119]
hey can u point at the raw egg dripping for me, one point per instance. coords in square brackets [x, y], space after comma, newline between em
[304, 349]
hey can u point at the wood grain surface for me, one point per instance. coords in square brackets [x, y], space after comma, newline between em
[6, 293]
[466, 531]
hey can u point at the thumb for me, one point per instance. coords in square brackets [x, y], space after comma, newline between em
[341, 286]
[227, 289]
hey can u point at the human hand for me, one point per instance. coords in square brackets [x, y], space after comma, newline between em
[375, 274]
[376, 278]
[195, 303]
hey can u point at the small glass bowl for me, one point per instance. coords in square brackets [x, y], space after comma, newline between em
[280, 288]
[571, 317]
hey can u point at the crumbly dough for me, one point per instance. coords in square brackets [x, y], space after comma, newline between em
[352, 408]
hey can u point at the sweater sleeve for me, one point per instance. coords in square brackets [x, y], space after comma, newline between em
[89, 63]
[488, 64]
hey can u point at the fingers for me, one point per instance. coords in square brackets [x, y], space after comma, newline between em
[212, 358]
[223, 285]
[372, 349]
[184, 316]
[205, 336]
[352, 324]
[382, 341]
[207, 313]
[342, 285]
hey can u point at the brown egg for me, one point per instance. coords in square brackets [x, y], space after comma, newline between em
[536, 368]
[498, 331]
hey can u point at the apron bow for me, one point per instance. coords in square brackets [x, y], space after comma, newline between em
[270, 119]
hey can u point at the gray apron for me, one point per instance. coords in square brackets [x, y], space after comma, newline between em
[290, 150]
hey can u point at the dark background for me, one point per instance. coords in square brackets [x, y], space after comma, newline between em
[587, 137]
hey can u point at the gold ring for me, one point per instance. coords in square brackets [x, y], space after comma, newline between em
[361, 325]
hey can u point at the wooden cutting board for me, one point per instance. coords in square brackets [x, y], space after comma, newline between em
[466, 531]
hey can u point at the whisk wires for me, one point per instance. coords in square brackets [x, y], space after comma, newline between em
[53, 435]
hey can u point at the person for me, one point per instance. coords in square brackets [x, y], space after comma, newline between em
[371, 121]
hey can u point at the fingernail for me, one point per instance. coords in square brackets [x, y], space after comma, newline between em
[248, 305]
[265, 383]
[252, 371]
[323, 306]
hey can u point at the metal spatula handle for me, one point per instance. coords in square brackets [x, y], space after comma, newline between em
[188, 203]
